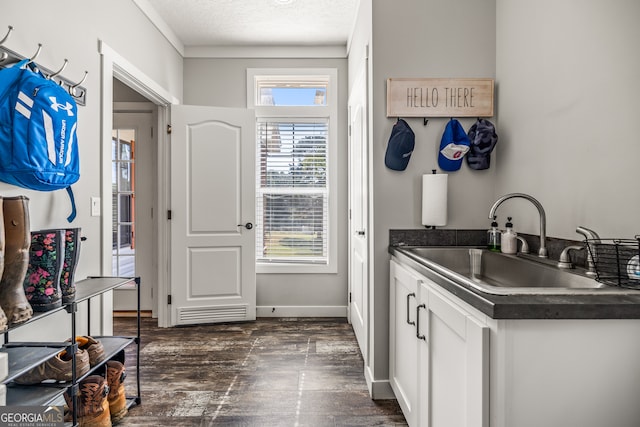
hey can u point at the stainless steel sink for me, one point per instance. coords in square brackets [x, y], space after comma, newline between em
[501, 274]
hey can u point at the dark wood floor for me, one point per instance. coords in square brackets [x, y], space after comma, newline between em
[272, 372]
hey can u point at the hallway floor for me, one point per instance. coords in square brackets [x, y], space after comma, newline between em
[272, 372]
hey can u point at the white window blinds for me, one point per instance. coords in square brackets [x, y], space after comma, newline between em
[292, 197]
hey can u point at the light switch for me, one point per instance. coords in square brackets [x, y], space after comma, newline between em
[95, 206]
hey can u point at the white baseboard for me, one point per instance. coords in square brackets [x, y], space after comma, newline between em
[301, 311]
[378, 390]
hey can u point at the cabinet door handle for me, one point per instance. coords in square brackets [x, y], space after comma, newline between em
[408, 298]
[418, 335]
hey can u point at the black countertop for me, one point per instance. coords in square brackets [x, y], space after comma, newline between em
[604, 306]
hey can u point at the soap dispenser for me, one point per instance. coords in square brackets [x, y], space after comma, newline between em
[493, 237]
[509, 239]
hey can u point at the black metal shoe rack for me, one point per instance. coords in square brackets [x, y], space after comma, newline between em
[24, 356]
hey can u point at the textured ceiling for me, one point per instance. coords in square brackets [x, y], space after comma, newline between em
[258, 22]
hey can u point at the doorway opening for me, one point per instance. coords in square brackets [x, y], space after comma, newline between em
[118, 73]
[134, 208]
[123, 202]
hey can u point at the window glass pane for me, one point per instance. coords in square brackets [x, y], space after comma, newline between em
[126, 236]
[293, 96]
[114, 232]
[124, 265]
[294, 226]
[125, 152]
[292, 160]
[293, 154]
[114, 146]
[125, 176]
[125, 208]
[126, 137]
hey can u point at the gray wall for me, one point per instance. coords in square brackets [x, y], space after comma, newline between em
[222, 82]
[71, 29]
[418, 38]
[569, 79]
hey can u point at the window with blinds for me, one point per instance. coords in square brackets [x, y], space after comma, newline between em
[291, 193]
[296, 173]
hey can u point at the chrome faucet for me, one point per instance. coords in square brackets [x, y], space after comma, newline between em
[542, 252]
[592, 235]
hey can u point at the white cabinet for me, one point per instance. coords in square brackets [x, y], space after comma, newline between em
[565, 372]
[458, 364]
[424, 374]
[453, 366]
[439, 355]
[403, 355]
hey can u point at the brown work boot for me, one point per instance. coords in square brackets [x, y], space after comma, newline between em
[93, 407]
[3, 321]
[93, 347]
[117, 398]
[57, 368]
[16, 259]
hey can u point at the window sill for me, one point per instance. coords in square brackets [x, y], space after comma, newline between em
[267, 268]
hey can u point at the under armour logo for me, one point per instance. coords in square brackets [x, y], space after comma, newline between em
[54, 106]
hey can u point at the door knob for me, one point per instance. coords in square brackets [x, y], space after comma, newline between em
[248, 226]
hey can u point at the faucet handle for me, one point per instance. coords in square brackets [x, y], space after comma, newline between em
[593, 236]
[587, 233]
[524, 249]
[565, 259]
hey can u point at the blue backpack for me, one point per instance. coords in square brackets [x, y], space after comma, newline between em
[38, 143]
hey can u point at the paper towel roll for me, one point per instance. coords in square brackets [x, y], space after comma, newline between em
[434, 199]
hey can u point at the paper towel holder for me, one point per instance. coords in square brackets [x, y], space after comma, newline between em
[433, 172]
[430, 218]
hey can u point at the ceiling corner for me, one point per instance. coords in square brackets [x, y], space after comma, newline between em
[164, 29]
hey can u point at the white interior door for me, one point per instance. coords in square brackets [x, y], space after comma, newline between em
[212, 213]
[358, 200]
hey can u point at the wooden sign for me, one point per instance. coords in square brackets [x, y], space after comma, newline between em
[439, 97]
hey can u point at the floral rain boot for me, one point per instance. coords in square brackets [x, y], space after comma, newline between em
[71, 255]
[15, 212]
[42, 281]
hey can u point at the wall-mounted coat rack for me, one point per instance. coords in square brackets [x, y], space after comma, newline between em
[9, 57]
[439, 97]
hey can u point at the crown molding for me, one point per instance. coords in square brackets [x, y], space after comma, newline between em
[164, 29]
[265, 51]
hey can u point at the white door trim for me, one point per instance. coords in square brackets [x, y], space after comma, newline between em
[114, 65]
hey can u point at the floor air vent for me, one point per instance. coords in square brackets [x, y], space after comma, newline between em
[193, 315]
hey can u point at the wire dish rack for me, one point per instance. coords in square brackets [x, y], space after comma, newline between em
[617, 261]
